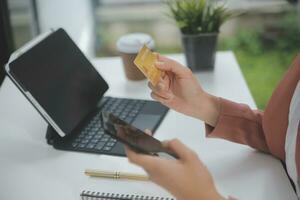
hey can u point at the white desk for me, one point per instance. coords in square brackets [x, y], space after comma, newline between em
[31, 169]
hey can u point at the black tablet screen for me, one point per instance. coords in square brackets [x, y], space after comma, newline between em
[61, 79]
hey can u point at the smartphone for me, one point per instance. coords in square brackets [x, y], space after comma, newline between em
[134, 138]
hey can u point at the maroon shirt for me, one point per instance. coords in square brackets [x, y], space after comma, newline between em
[265, 131]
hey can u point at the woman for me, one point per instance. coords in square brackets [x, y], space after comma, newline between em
[273, 131]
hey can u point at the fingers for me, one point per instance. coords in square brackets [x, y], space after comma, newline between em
[161, 99]
[159, 87]
[145, 161]
[167, 64]
[166, 80]
[160, 90]
[148, 132]
[180, 149]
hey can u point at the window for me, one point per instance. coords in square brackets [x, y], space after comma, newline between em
[22, 17]
[115, 18]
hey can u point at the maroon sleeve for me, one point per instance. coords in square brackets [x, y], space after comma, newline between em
[239, 123]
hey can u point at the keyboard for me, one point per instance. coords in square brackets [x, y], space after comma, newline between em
[92, 137]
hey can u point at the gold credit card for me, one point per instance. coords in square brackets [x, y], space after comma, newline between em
[145, 61]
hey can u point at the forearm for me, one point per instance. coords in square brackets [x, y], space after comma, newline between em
[207, 108]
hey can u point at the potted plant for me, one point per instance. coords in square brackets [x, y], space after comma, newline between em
[199, 22]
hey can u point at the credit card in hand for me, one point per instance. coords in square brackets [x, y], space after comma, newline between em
[145, 61]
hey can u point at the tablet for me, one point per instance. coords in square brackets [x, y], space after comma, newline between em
[57, 79]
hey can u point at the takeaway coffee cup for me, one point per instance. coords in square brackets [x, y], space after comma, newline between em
[128, 47]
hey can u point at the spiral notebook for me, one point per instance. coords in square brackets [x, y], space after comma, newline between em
[88, 195]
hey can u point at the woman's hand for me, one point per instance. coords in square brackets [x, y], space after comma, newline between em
[180, 90]
[186, 178]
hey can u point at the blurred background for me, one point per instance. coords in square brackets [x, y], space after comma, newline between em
[265, 36]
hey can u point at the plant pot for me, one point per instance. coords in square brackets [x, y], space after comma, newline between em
[200, 51]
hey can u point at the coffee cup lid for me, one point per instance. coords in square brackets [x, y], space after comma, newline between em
[132, 43]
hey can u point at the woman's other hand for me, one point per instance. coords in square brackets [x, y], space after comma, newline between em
[186, 178]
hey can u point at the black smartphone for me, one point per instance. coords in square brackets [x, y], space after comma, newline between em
[136, 139]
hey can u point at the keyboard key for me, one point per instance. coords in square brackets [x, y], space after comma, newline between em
[88, 137]
[94, 129]
[100, 145]
[81, 145]
[123, 115]
[117, 114]
[94, 141]
[100, 131]
[74, 144]
[84, 141]
[98, 136]
[90, 146]
[118, 110]
[110, 144]
[104, 139]
[135, 110]
[92, 133]
[106, 148]
[112, 140]
[131, 115]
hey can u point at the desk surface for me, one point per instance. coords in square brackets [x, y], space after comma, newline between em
[31, 169]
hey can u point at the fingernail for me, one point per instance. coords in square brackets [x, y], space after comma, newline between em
[165, 143]
[159, 64]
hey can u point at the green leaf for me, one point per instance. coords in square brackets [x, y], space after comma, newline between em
[198, 16]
